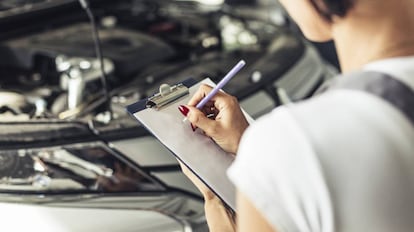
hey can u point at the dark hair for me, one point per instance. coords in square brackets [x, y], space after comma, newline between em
[330, 8]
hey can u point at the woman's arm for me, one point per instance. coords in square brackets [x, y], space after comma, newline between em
[249, 218]
[218, 216]
[226, 130]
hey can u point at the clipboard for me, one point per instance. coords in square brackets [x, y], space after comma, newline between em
[160, 115]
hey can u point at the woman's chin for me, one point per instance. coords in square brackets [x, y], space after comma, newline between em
[318, 38]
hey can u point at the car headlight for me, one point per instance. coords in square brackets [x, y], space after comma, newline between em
[81, 168]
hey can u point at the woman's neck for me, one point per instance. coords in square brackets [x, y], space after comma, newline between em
[374, 31]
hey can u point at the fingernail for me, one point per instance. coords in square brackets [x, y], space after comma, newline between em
[183, 109]
[193, 127]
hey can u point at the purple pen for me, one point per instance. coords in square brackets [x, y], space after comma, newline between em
[221, 84]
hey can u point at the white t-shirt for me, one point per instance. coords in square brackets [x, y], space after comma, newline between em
[341, 161]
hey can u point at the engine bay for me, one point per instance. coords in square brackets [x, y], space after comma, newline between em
[54, 73]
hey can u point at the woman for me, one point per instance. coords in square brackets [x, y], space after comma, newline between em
[341, 161]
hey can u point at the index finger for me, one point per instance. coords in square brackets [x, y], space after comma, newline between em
[202, 92]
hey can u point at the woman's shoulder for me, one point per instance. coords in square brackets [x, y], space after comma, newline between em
[334, 116]
[330, 107]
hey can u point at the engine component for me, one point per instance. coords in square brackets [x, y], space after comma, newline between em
[14, 104]
[76, 74]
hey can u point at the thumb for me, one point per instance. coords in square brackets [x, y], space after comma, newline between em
[200, 120]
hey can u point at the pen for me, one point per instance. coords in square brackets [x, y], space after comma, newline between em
[220, 85]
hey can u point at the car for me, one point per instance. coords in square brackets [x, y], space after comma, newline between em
[71, 157]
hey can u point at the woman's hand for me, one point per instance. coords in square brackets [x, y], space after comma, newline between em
[204, 190]
[226, 122]
[218, 217]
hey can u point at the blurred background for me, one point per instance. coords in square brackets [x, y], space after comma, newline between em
[71, 158]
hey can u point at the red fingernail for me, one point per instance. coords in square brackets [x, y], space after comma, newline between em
[184, 110]
[193, 127]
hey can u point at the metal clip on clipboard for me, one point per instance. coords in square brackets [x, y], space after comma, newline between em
[167, 94]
